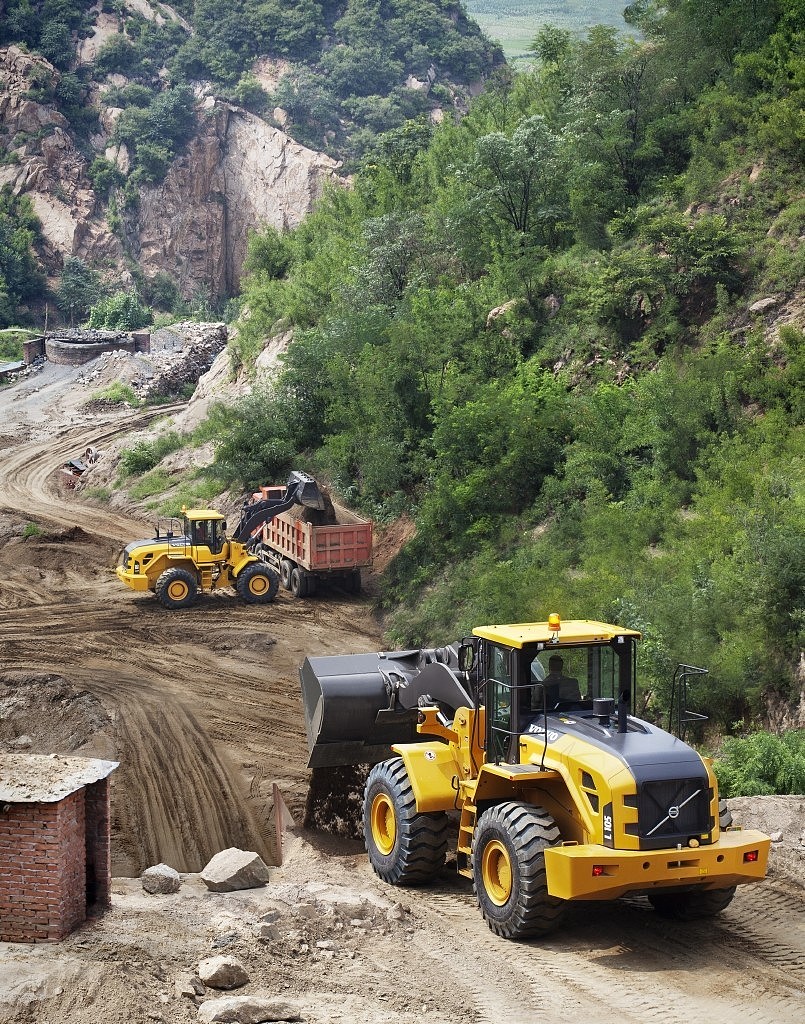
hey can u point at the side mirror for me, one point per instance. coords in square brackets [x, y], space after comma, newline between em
[466, 657]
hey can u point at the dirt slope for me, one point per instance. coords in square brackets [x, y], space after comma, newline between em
[202, 710]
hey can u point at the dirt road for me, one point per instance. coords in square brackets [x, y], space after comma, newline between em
[204, 716]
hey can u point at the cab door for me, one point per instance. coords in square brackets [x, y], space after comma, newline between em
[500, 700]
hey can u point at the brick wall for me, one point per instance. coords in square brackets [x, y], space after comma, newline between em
[98, 845]
[43, 894]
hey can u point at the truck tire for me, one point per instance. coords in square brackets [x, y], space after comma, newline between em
[176, 588]
[298, 582]
[508, 868]
[353, 582]
[257, 584]
[286, 568]
[691, 906]
[404, 846]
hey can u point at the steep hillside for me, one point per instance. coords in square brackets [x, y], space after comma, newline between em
[150, 140]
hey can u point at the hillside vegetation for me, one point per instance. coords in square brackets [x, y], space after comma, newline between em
[531, 331]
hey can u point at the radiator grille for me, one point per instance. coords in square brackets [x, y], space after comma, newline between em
[673, 810]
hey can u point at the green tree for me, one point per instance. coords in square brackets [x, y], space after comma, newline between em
[79, 288]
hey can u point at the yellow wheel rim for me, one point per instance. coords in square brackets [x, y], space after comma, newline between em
[496, 871]
[177, 590]
[384, 824]
[258, 585]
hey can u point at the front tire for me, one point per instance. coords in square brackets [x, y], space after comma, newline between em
[405, 847]
[257, 584]
[176, 588]
[508, 866]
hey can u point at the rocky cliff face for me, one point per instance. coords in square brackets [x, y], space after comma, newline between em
[42, 161]
[237, 174]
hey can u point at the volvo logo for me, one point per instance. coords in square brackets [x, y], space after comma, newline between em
[673, 812]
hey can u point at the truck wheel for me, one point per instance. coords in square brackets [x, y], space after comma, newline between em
[257, 584]
[286, 568]
[176, 588]
[298, 582]
[691, 906]
[404, 847]
[508, 868]
[353, 582]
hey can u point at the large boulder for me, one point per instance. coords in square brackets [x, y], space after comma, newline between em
[235, 869]
[160, 880]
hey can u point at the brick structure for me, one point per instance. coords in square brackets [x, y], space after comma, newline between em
[55, 859]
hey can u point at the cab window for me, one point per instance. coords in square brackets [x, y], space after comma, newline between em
[499, 707]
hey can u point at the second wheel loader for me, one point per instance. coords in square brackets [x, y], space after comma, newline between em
[195, 554]
[523, 738]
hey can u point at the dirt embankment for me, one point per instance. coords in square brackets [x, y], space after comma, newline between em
[202, 710]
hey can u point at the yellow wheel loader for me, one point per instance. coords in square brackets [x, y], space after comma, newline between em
[524, 738]
[194, 554]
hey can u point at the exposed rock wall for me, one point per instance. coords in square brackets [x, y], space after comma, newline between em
[237, 175]
[48, 167]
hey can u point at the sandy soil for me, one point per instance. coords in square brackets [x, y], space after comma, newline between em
[202, 710]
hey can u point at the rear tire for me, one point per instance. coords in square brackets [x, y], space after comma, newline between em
[176, 588]
[286, 568]
[298, 582]
[508, 867]
[691, 906]
[257, 584]
[404, 847]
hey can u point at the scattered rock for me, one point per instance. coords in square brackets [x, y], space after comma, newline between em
[234, 869]
[762, 305]
[223, 972]
[188, 986]
[247, 1010]
[160, 880]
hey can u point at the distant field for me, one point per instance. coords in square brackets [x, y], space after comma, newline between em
[514, 23]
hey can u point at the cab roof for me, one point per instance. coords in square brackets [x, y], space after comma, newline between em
[571, 631]
[202, 513]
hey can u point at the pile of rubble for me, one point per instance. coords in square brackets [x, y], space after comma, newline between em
[179, 356]
[178, 369]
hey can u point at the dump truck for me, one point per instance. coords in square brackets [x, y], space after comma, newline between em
[523, 742]
[193, 554]
[305, 552]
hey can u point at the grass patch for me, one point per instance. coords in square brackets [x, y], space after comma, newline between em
[146, 455]
[32, 530]
[116, 394]
[154, 482]
[192, 494]
[101, 494]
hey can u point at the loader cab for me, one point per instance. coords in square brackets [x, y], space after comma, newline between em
[529, 676]
[205, 529]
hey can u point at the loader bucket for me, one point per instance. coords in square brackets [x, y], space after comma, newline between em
[358, 705]
[308, 492]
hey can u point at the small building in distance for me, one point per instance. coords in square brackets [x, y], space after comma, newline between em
[55, 848]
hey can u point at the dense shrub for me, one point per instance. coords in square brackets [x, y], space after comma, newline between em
[762, 764]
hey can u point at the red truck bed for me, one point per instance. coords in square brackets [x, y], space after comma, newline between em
[343, 546]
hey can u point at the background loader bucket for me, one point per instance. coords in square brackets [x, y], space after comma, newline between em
[357, 705]
[308, 492]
